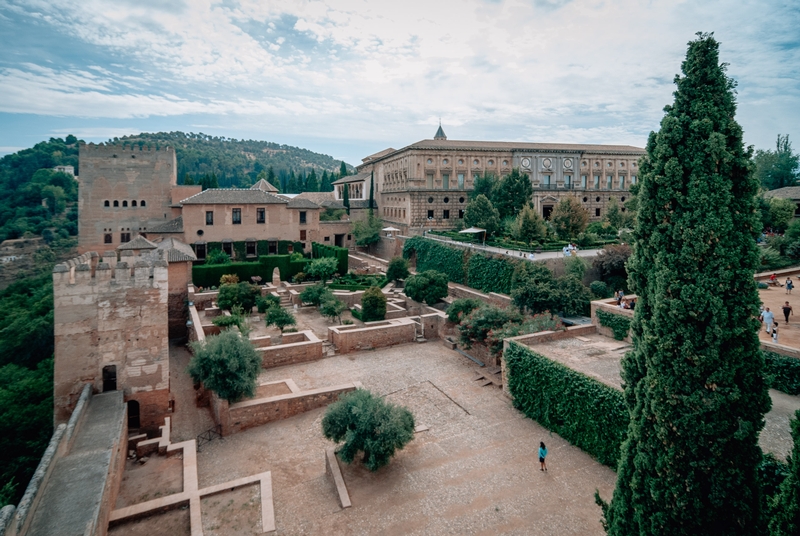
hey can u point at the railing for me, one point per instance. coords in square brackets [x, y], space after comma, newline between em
[556, 186]
[208, 436]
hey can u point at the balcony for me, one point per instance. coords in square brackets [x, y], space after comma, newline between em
[557, 186]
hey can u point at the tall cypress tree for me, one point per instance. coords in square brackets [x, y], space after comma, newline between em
[346, 197]
[325, 184]
[787, 504]
[271, 178]
[694, 381]
[371, 192]
[343, 170]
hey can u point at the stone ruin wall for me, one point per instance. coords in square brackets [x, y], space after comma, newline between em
[112, 313]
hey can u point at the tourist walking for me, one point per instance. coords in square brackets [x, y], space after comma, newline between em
[787, 310]
[542, 456]
[789, 285]
[775, 333]
[768, 317]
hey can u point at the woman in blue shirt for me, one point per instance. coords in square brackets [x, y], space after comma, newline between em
[542, 455]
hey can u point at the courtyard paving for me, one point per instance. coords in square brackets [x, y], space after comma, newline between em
[600, 357]
[474, 471]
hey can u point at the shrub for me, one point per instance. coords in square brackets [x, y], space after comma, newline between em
[227, 364]
[786, 518]
[610, 263]
[534, 324]
[429, 287]
[241, 294]
[368, 424]
[279, 317]
[299, 277]
[373, 305]
[217, 256]
[356, 313]
[225, 321]
[323, 268]
[783, 372]
[397, 269]
[332, 308]
[315, 294]
[265, 302]
[475, 327]
[229, 279]
[575, 266]
[600, 289]
[462, 307]
[571, 297]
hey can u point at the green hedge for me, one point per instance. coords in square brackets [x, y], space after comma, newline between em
[490, 274]
[262, 247]
[783, 372]
[321, 250]
[584, 411]
[209, 275]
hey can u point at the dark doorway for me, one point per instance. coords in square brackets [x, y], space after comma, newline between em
[109, 378]
[133, 414]
[547, 210]
[338, 240]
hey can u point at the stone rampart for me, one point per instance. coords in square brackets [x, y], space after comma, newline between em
[373, 335]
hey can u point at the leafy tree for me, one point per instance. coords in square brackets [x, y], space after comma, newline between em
[265, 302]
[481, 213]
[512, 193]
[600, 289]
[462, 307]
[217, 256]
[239, 294]
[367, 423]
[694, 381]
[316, 294]
[613, 215]
[781, 212]
[346, 198]
[373, 305]
[226, 322]
[530, 227]
[569, 218]
[483, 185]
[367, 232]
[279, 317]
[778, 168]
[26, 321]
[575, 266]
[227, 364]
[331, 214]
[570, 296]
[480, 322]
[786, 507]
[429, 286]
[323, 268]
[228, 279]
[332, 308]
[611, 265]
[397, 269]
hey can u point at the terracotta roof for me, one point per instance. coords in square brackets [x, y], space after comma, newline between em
[233, 196]
[353, 178]
[301, 202]
[264, 186]
[379, 154]
[176, 251]
[172, 226]
[789, 192]
[139, 242]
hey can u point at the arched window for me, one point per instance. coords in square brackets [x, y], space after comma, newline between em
[143, 203]
[133, 203]
[116, 203]
[124, 203]
[106, 203]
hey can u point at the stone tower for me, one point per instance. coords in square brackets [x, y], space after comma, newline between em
[123, 191]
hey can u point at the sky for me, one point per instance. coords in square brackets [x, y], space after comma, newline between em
[349, 78]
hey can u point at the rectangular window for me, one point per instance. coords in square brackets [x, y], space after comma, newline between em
[597, 212]
[108, 239]
[327, 239]
[460, 181]
[545, 180]
[568, 180]
[622, 183]
[445, 181]
[303, 235]
[460, 214]
[302, 216]
[250, 248]
[597, 182]
[236, 216]
[209, 217]
[272, 247]
[609, 180]
[200, 251]
[446, 215]
[261, 215]
[430, 214]
[124, 237]
[633, 179]
[349, 237]
[429, 180]
[583, 181]
[227, 247]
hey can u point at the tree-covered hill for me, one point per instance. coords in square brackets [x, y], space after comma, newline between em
[238, 163]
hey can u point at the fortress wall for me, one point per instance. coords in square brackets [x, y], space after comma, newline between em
[118, 317]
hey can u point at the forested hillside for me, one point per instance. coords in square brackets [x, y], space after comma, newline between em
[229, 162]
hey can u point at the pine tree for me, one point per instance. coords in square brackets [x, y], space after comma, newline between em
[325, 184]
[512, 193]
[346, 197]
[694, 381]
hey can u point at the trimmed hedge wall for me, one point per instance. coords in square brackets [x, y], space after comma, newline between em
[584, 411]
[262, 247]
[783, 372]
[321, 250]
[432, 255]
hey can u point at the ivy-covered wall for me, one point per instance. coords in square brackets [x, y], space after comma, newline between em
[490, 274]
[587, 413]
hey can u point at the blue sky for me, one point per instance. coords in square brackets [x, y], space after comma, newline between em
[351, 77]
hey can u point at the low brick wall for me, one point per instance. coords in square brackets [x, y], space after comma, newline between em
[261, 342]
[435, 325]
[308, 349]
[460, 291]
[255, 412]
[788, 351]
[373, 335]
[610, 306]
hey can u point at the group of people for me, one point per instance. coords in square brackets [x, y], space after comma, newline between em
[788, 285]
[623, 302]
[570, 250]
[768, 318]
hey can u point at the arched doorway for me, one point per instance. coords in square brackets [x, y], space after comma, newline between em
[109, 378]
[133, 414]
